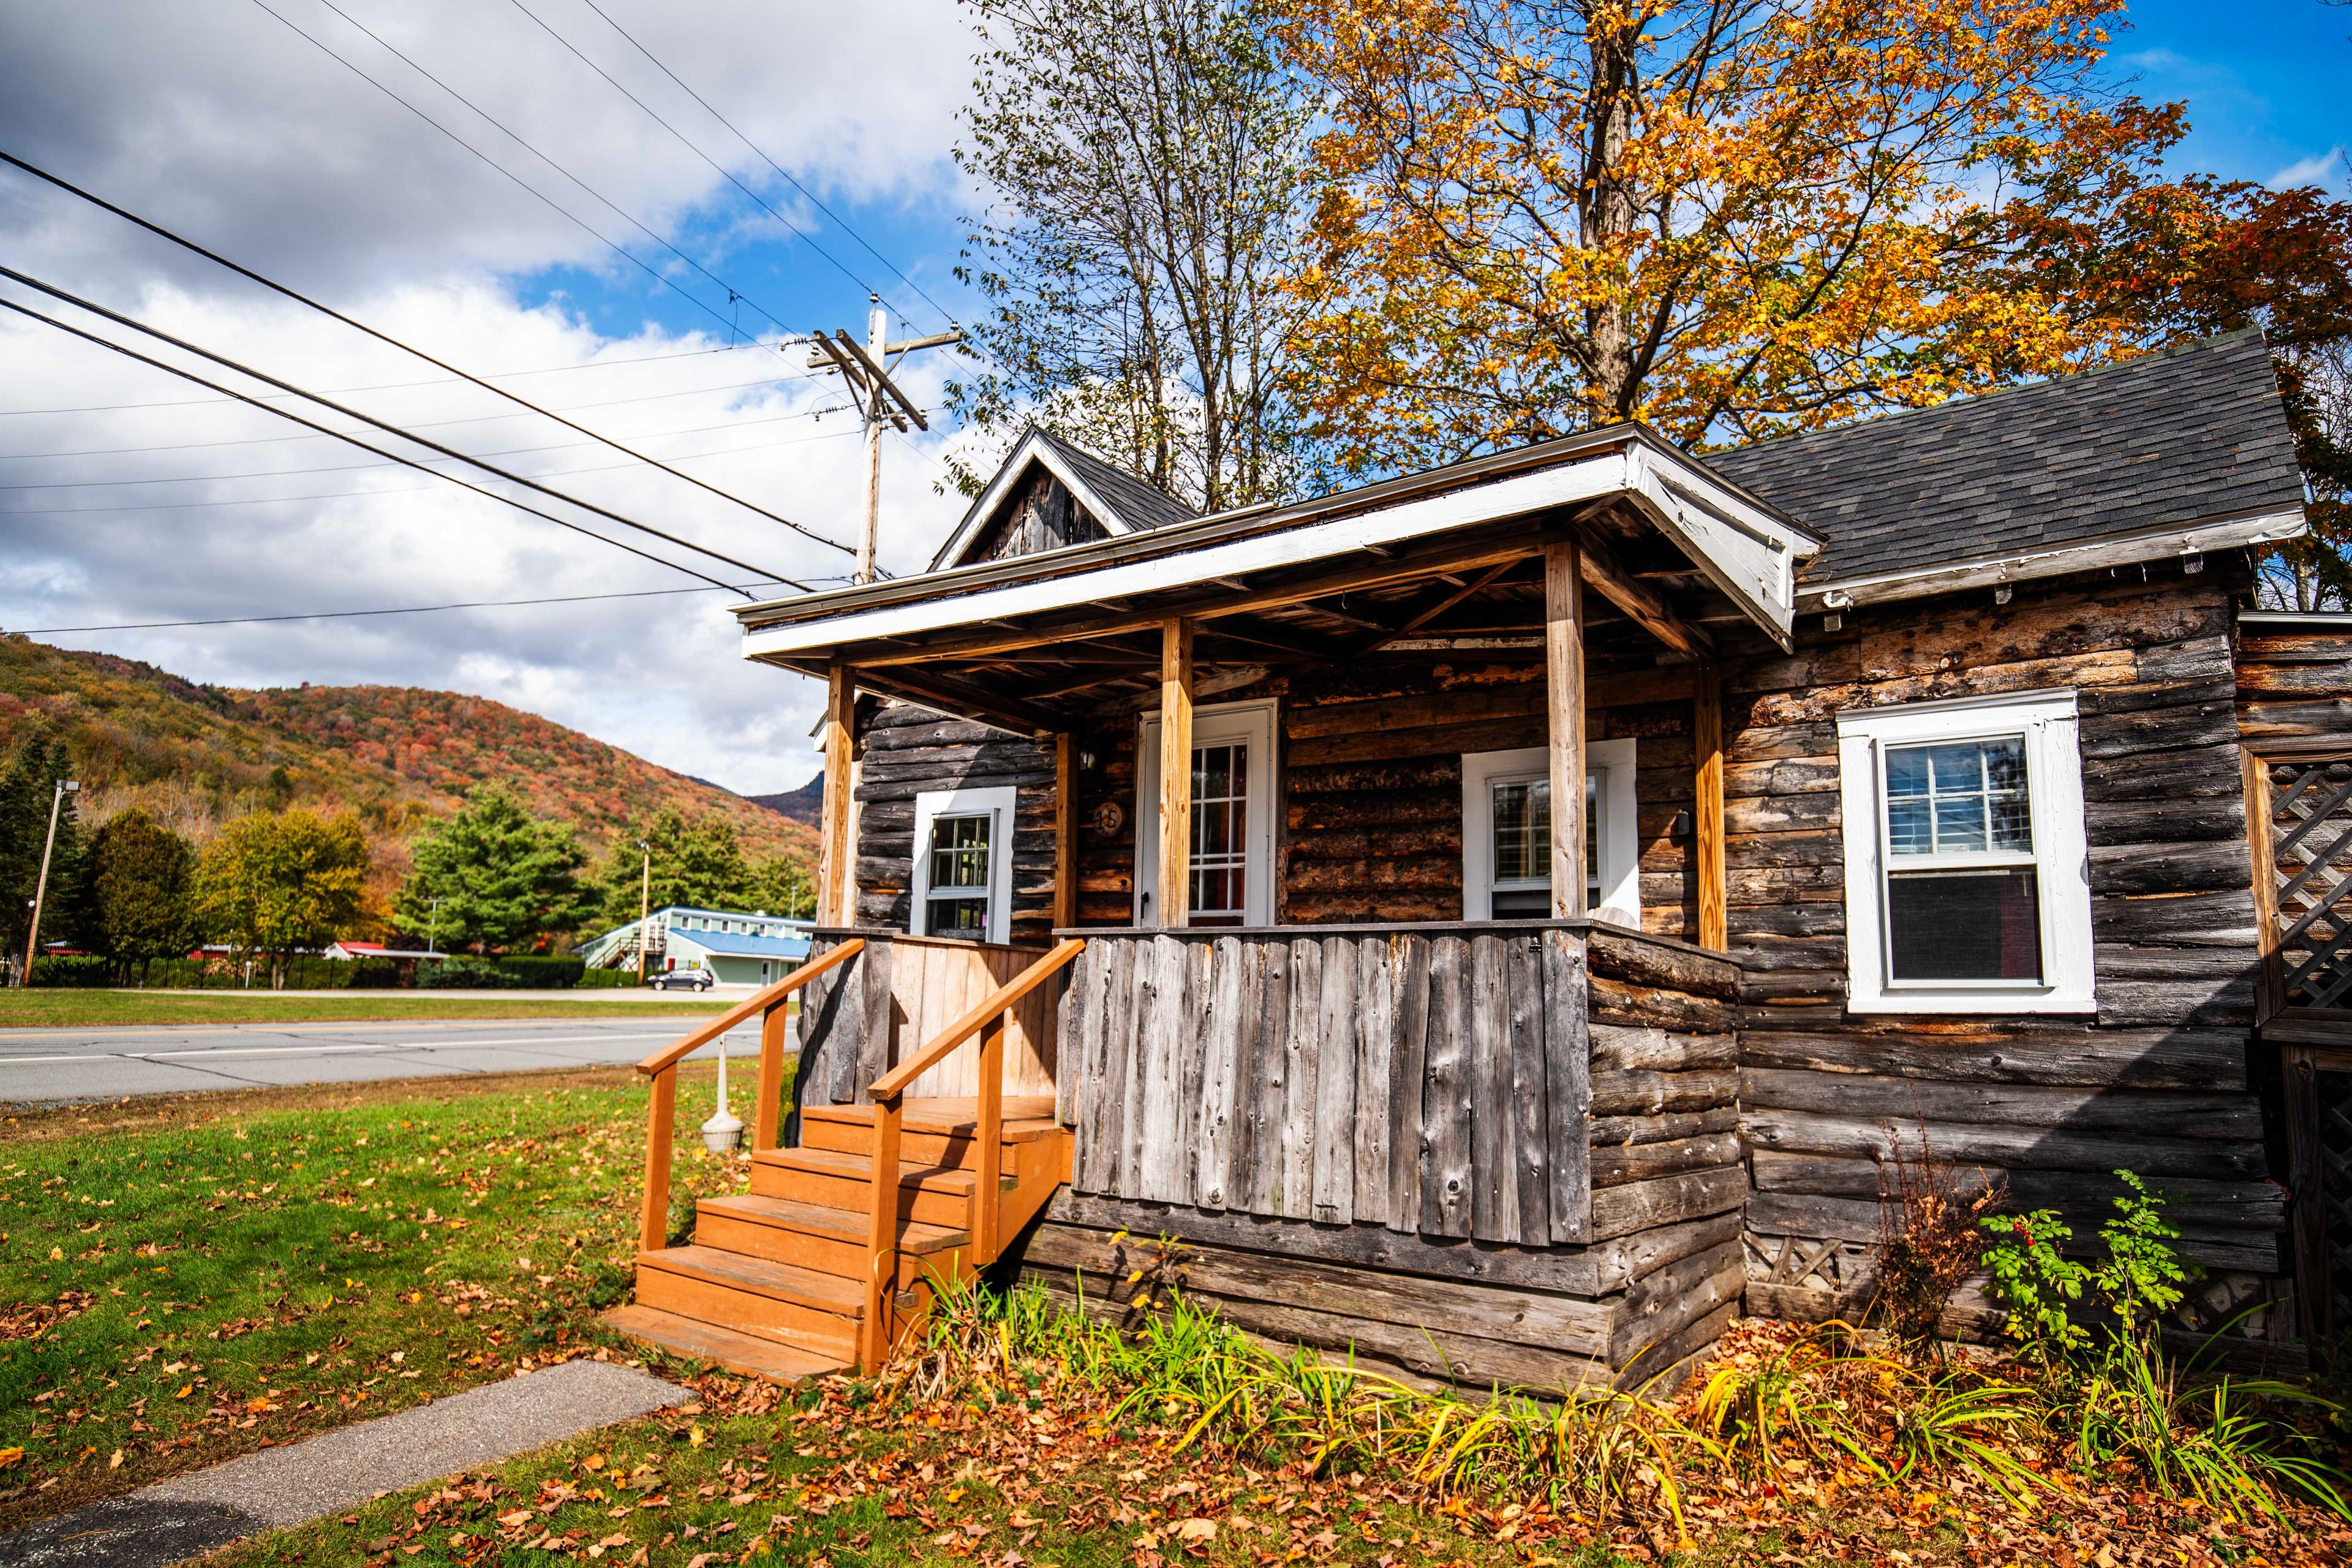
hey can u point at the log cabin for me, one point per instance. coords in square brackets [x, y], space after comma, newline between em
[1591, 862]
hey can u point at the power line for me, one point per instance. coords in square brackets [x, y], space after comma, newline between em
[420, 425]
[128, 352]
[688, 143]
[433, 381]
[375, 490]
[755, 147]
[441, 381]
[633, 221]
[350, 413]
[502, 452]
[281, 289]
[404, 610]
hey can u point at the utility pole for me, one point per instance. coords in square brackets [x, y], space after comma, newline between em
[644, 905]
[41, 889]
[432, 928]
[866, 370]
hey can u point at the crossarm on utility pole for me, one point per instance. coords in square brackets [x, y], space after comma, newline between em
[881, 378]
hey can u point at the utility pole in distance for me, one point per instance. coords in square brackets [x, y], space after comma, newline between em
[879, 402]
[41, 890]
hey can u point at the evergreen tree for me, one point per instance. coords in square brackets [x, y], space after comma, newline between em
[137, 896]
[28, 788]
[783, 885]
[503, 877]
[276, 885]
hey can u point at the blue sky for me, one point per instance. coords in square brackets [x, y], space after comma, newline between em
[220, 118]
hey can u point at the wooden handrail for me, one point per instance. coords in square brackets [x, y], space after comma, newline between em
[766, 1004]
[893, 1084]
[986, 1020]
[743, 1011]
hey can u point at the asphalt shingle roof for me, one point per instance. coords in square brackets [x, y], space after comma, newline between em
[2192, 434]
[1139, 506]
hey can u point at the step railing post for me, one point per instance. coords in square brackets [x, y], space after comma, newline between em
[986, 1207]
[653, 1223]
[771, 1075]
[881, 1239]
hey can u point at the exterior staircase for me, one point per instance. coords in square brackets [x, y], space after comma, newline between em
[774, 1282]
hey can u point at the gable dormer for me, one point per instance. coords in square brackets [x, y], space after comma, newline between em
[1047, 494]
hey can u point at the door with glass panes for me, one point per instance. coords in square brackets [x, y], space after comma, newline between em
[1231, 830]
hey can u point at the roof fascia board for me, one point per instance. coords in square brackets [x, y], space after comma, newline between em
[1585, 479]
[1179, 537]
[1033, 446]
[1742, 549]
[2116, 550]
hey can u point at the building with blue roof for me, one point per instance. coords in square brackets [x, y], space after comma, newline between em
[734, 946]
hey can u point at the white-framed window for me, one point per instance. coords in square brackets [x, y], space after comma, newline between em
[1232, 815]
[1967, 875]
[1506, 834]
[963, 865]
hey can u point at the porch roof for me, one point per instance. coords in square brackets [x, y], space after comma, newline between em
[1250, 559]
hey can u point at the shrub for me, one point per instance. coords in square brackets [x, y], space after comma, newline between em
[607, 979]
[76, 970]
[544, 973]
[1928, 1239]
[469, 974]
[375, 973]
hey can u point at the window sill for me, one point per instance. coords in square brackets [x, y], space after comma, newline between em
[1969, 1001]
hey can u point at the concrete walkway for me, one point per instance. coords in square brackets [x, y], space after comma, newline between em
[191, 1515]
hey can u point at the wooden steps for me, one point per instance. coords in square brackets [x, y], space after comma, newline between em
[774, 1282]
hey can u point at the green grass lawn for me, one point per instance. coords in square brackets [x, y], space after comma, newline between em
[183, 1280]
[65, 1008]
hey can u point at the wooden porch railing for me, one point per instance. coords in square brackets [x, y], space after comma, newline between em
[987, 1020]
[769, 1006]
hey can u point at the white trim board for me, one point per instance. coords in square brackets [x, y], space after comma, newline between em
[1694, 509]
[1253, 722]
[2116, 550]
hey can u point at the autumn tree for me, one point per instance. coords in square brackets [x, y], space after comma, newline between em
[2177, 259]
[136, 899]
[1728, 218]
[491, 876]
[273, 885]
[1142, 161]
[783, 885]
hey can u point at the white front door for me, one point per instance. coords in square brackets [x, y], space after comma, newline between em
[1233, 817]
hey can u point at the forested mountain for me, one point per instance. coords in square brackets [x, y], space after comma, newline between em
[196, 755]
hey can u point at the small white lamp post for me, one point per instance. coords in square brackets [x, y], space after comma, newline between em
[722, 1133]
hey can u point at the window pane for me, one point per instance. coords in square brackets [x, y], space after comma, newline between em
[1219, 834]
[1522, 903]
[1523, 831]
[965, 918]
[1965, 925]
[1963, 797]
[959, 852]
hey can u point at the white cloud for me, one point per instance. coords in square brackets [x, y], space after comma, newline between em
[2324, 169]
[220, 123]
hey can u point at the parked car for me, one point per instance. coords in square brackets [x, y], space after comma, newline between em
[683, 979]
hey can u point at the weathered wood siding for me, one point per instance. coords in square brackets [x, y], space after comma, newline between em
[1540, 1115]
[1369, 785]
[859, 1020]
[910, 750]
[1044, 516]
[2294, 682]
[2158, 1082]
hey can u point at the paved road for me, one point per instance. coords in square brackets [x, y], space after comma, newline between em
[49, 1066]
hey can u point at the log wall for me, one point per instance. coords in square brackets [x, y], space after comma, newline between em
[1409, 1189]
[2159, 1081]
[1369, 785]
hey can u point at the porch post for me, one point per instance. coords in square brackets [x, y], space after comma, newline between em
[1065, 831]
[1564, 689]
[1707, 748]
[836, 897]
[1175, 774]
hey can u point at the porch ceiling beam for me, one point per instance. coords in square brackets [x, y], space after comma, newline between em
[954, 695]
[1457, 556]
[1603, 571]
[1433, 609]
[1297, 650]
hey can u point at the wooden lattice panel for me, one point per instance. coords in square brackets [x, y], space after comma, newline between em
[2310, 824]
